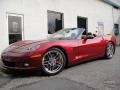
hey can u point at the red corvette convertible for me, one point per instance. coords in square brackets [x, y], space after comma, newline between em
[64, 48]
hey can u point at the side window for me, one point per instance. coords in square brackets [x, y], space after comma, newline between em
[55, 21]
[15, 27]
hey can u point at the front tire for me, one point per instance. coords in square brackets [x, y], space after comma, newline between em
[53, 61]
[110, 49]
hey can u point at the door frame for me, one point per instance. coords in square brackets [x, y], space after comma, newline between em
[22, 22]
[86, 21]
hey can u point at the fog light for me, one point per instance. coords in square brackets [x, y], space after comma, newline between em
[26, 64]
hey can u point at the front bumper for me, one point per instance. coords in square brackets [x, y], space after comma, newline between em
[28, 69]
[22, 63]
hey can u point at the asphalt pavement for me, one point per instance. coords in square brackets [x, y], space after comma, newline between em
[100, 74]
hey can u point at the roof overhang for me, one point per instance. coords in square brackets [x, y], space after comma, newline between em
[115, 3]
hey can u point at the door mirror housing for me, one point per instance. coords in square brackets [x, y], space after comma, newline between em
[89, 35]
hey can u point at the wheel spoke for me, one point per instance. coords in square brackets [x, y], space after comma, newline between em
[46, 65]
[110, 50]
[49, 67]
[58, 60]
[52, 67]
[59, 65]
[46, 62]
[49, 55]
[57, 55]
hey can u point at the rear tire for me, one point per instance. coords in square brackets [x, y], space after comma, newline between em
[110, 50]
[53, 61]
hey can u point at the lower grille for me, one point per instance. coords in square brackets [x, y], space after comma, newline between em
[9, 64]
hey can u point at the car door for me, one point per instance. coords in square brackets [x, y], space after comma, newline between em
[90, 48]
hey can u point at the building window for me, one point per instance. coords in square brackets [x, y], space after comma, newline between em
[15, 27]
[116, 29]
[55, 21]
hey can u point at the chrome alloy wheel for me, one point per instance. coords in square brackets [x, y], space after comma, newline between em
[53, 61]
[110, 50]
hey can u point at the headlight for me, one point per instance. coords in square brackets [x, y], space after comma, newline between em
[28, 48]
[32, 47]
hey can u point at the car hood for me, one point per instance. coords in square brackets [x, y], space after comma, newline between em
[24, 46]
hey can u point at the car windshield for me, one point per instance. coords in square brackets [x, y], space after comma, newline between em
[67, 34]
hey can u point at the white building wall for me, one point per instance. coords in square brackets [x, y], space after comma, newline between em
[95, 10]
[116, 15]
[35, 16]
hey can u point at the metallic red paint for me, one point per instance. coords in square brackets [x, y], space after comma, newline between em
[15, 56]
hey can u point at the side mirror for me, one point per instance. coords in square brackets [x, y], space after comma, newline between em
[84, 37]
[88, 36]
[89, 33]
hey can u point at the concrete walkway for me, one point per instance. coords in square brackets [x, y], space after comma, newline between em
[54, 84]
